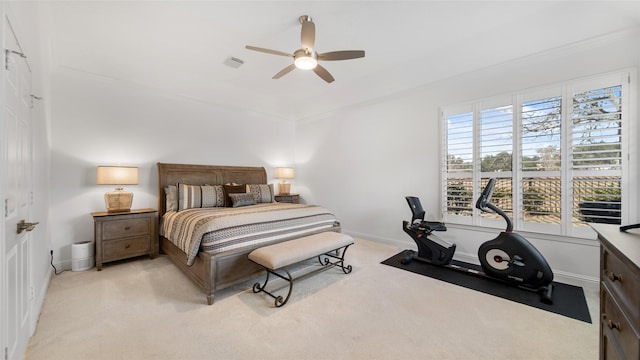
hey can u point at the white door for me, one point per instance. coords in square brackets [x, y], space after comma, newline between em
[17, 192]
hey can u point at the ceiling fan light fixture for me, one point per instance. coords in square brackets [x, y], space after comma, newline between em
[306, 58]
[305, 62]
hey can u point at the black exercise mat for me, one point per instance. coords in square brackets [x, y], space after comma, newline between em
[568, 300]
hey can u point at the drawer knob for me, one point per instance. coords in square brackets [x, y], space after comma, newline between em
[615, 277]
[127, 246]
[613, 325]
[127, 227]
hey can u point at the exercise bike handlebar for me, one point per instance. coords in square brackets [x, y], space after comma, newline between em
[484, 202]
[503, 214]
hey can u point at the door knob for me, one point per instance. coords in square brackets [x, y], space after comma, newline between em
[22, 226]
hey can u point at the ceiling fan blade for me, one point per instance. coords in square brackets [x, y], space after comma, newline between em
[323, 73]
[308, 33]
[341, 55]
[268, 51]
[284, 71]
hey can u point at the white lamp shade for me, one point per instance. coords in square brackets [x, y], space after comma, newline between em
[117, 175]
[284, 173]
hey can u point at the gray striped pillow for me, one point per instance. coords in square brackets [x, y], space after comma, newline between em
[263, 193]
[171, 197]
[199, 196]
[212, 196]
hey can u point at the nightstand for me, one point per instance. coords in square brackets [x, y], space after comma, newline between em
[124, 235]
[291, 198]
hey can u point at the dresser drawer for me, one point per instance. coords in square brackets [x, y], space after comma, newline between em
[617, 328]
[608, 349]
[623, 282]
[117, 229]
[124, 248]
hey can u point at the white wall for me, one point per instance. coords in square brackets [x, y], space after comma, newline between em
[106, 122]
[361, 162]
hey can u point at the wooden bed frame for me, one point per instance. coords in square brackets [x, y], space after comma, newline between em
[219, 271]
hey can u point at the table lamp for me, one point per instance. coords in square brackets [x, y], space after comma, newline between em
[284, 173]
[118, 200]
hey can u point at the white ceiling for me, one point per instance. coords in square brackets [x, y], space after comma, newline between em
[180, 46]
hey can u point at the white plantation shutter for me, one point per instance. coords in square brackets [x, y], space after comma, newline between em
[541, 134]
[496, 139]
[540, 160]
[596, 140]
[496, 155]
[559, 160]
[459, 190]
[460, 143]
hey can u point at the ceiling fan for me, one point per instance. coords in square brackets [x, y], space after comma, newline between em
[307, 58]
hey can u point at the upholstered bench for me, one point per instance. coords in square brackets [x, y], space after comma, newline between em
[278, 257]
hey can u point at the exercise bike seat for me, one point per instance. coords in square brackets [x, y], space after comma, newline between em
[431, 225]
[418, 216]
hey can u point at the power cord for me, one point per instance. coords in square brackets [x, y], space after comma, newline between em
[55, 271]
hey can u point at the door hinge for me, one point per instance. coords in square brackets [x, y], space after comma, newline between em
[6, 353]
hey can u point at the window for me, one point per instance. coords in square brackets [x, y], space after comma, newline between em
[557, 155]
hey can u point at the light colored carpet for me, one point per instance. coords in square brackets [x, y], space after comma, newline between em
[147, 309]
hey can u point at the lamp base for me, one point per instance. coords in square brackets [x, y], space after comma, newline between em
[118, 201]
[284, 188]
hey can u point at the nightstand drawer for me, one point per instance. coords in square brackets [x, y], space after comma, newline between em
[124, 248]
[290, 198]
[125, 228]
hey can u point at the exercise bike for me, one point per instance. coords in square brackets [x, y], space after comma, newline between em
[509, 258]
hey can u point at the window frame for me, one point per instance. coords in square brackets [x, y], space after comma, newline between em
[565, 90]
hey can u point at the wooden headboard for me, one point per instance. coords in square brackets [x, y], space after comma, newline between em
[171, 174]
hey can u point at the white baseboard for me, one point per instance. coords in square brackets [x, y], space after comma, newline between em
[38, 301]
[63, 266]
[587, 282]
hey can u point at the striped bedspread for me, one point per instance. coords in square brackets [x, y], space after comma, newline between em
[215, 230]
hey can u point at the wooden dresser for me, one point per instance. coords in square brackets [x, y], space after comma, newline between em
[619, 292]
[124, 235]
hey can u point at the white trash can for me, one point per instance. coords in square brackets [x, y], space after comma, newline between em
[82, 256]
